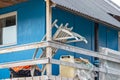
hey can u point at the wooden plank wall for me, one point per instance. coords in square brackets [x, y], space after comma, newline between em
[6, 3]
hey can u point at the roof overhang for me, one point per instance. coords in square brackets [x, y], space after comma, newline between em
[88, 9]
[6, 3]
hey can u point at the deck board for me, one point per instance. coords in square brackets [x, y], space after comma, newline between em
[41, 78]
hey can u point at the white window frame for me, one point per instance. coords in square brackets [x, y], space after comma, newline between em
[5, 16]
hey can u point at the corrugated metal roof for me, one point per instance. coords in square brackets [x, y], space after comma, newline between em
[91, 8]
[106, 5]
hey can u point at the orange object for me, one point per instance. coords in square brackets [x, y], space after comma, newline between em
[18, 68]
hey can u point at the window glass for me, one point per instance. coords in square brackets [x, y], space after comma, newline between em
[8, 30]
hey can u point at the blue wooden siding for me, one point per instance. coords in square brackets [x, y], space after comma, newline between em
[108, 37]
[82, 26]
[31, 28]
[112, 39]
[85, 27]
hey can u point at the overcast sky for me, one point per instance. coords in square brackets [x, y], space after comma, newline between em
[116, 1]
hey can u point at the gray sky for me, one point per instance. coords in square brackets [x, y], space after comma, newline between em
[116, 1]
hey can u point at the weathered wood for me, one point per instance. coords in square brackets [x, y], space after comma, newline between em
[41, 78]
[23, 63]
[43, 69]
[101, 74]
[79, 66]
[53, 61]
[110, 51]
[23, 47]
[48, 34]
[57, 45]
[113, 66]
[75, 65]
[6, 3]
[82, 51]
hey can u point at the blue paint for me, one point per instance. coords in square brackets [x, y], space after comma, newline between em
[102, 36]
[108, 37]
[31, 28]
[85, 28]
[112, 39]
[63, 17]
[80, 26]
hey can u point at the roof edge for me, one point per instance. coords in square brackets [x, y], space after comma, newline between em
[113, 4]
[87, 16]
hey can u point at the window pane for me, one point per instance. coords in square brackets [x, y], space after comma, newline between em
[9, 35]
[10, 21]
[8, 29]
[2, 23]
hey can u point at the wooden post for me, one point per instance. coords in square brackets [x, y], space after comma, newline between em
[48, 35]
[103, 63]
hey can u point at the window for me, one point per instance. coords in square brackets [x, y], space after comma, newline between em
[8, 29]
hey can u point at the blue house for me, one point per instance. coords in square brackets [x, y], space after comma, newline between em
[25, 23]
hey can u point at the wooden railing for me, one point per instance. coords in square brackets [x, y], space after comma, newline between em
[101, 55]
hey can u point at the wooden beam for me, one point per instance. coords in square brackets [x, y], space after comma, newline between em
[23, 47]
[3, 4]
[109, 64]
[6, 3]
[23, 63]
[80, 66]
[74, 65]
[48, 34]
[41, 78]
[83, 51]
[110, 51]
[53, 61]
